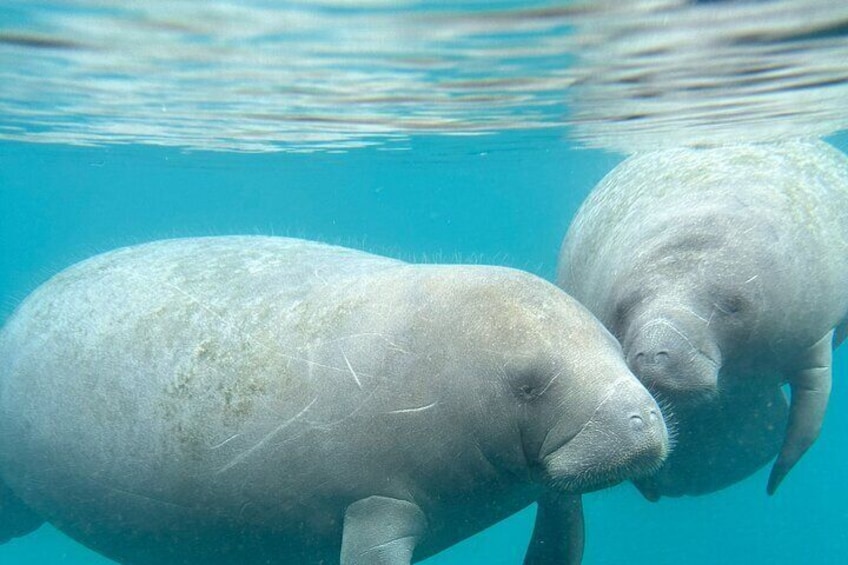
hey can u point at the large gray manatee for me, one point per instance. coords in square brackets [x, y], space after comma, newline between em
[722, 269]
[270, 400]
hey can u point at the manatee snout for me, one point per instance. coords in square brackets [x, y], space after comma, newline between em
[633, 416]
[626, 436]
[673, 361]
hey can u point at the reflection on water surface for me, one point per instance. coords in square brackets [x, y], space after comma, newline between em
[262, 76]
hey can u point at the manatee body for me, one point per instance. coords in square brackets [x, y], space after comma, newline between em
[271, 400]
[719, 443]
[719, 269]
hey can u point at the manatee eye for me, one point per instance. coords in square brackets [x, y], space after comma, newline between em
[525, 386]
[729, 301]
[527, 391]
[733, 304]
[623, 309]
[526, 378]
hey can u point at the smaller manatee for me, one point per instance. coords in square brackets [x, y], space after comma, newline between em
[718, 268]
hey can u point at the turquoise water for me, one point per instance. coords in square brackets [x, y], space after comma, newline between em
[504, 199]
[119, 126]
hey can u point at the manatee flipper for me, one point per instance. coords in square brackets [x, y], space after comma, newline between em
[381, 531]
[558, 533]
[810, 390]
[16, 519]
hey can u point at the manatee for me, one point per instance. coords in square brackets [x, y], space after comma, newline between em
[270, 400]
[717, 444]
[719, 268]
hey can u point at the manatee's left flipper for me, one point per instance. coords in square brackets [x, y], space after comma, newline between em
[381, 531]
[558, 534]
[810, 388]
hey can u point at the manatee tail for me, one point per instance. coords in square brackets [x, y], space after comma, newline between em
[16, 518]
[810, 391]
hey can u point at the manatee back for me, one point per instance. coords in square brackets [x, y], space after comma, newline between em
[133, 371]
[751, 206]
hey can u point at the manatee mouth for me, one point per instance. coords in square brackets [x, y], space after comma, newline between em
[598, 478]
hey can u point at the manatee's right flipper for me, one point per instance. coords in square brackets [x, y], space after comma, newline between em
[381, 531]
[16, 519]
[810, 391]
[559, 533]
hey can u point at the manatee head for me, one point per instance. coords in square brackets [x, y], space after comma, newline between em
[535, 379]
[584, 421]
[624, 438]
[680, 331]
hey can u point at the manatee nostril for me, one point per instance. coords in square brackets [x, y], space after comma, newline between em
[645, 420]
[655, 358]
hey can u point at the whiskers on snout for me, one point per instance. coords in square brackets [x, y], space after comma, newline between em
[605, 476]
[671, 422]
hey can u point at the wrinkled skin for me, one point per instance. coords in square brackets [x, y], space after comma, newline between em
[270, 400]
[721, 269]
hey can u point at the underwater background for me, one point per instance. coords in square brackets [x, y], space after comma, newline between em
[452, 178]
